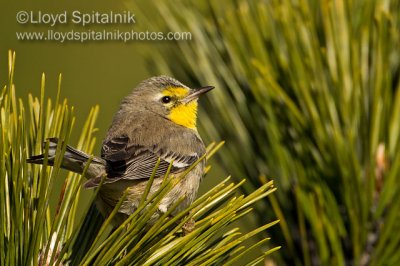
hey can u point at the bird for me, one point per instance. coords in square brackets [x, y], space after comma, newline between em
[155, 124]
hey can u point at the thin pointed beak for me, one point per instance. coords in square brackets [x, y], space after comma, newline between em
[195, 93]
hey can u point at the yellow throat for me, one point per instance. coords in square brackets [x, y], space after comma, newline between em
[182, 114]
[185, 114]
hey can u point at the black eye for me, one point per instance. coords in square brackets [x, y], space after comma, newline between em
[166, 99]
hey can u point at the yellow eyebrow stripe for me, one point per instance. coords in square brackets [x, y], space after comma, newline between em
[179, 92]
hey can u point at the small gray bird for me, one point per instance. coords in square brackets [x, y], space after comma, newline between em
[157, 121]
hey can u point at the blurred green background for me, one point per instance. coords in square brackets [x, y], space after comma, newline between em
[93, 73]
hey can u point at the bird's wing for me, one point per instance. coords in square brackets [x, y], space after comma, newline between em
[134, 161]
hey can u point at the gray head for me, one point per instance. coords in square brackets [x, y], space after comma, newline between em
[166, 97]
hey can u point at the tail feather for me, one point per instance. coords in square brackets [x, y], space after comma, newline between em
[36, 159]
[73, 160]
[39, 159]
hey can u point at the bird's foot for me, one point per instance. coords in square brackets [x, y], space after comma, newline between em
[189, 226]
